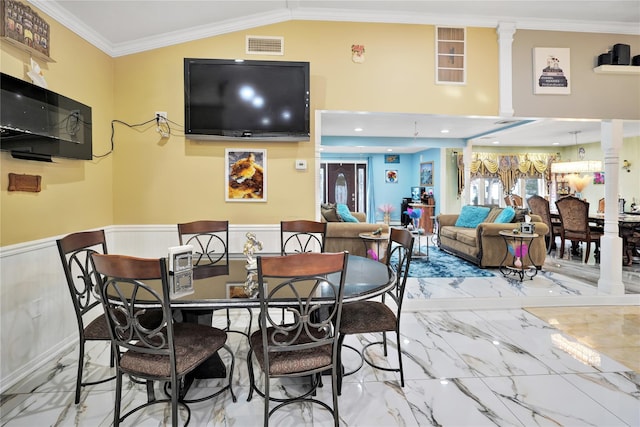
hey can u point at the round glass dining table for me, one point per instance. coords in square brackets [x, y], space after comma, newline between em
[217, 286]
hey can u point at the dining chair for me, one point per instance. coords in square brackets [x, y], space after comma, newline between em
[574, 219]
[540, 206]
[313, 284]
[364, 317]
[300, 236]
[210, 241]
[166, 352]
[75, 250]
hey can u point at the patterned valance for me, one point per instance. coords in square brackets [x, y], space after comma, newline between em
[508, 167]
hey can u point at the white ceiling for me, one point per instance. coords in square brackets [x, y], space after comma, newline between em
[123, 27]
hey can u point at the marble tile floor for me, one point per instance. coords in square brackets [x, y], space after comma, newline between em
[506, 367]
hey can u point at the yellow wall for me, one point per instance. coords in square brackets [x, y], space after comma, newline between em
[160, 181]
[76, 195]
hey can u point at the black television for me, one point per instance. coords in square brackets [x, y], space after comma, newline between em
[246, 99]
[38, 124]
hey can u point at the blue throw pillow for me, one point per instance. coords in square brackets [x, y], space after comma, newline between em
[471, 216]
[506, 215]
[345, 214]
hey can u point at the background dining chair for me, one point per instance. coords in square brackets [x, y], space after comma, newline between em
[574, 218]
[165, 352]
[540, 206]
[210, 241]
[368, 316]
[306, 346]
[300, 236]
[75, 250]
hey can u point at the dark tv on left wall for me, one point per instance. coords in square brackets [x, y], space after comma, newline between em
[39, 124]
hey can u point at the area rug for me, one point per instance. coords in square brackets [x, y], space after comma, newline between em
[442, 264]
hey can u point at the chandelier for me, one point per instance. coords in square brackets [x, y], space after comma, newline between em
[579, 166]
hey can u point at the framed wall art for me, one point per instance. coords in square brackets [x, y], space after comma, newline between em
[391, 176]
[551, 71]
[392, 158]
[598, 177]
[426, 174]
[245, 175]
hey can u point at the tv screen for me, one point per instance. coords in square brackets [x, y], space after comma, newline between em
[227, 99]
[37, 123]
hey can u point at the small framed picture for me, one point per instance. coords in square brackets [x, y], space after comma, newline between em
[598, 177]
[426, 174]
[391, 176]
[245, 175]
[392, 158]
[551, 71]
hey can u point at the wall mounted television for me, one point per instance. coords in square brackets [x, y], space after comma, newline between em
[38, 124]
[246, 99]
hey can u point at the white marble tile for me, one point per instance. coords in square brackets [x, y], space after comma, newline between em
[618, 392]
[462, 368]
[550, 400]
[457, 402]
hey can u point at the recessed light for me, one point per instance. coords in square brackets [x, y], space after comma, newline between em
[555, 143]
[496, 142]
[444, 131]
[389, 149]
[358, 129]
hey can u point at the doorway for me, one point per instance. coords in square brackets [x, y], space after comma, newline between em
[344, 183]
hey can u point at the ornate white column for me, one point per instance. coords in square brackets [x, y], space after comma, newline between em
[505, 31]
[610, 281]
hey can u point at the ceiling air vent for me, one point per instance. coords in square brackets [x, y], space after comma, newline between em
[265, 45]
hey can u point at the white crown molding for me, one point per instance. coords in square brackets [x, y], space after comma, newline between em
[316, 14]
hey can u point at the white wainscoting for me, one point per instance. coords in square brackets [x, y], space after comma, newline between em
[37, 321]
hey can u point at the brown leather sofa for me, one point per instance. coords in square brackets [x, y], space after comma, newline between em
[483, 244]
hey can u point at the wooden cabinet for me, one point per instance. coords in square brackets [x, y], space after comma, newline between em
[426, 220]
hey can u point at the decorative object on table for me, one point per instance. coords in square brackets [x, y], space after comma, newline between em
[246, 175]
[251, 246]
[377, 232]
[386, 210]
[357, 53]
[392, 158]
[391, 176]
[25, 29]
[551, 71]
[527, 228]
[426, 174]
[519, 251]
[414, 215]
[626, 165]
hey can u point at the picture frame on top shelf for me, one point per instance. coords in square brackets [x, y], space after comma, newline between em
[426, 174]
[24, 26]
[245, 175]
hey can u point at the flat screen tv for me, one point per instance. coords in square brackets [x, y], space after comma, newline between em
[38, 124]
[246, 99]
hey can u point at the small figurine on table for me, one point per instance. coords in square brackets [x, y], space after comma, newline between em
[251, 247]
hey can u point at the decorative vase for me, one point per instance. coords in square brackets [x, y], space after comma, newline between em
[387, 218]
[517, 262]
[416, 224]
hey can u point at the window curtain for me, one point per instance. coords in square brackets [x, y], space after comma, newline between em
[507, 167]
